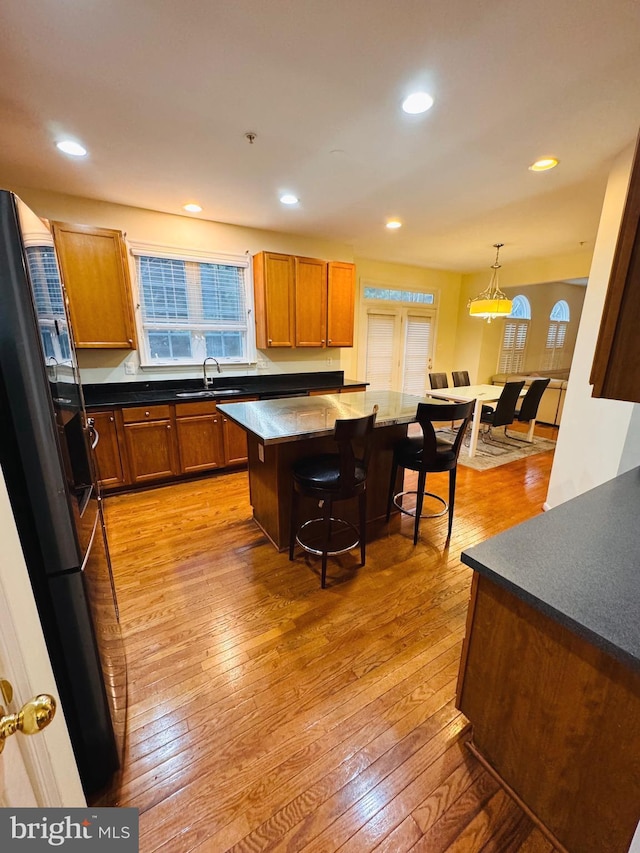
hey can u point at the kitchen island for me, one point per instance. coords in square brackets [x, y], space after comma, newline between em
[282, 431]
[550, 669]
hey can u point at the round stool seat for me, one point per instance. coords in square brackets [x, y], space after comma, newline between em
[409, 454]
[323, 472]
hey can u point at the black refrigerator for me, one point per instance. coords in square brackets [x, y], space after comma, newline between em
[46, 457]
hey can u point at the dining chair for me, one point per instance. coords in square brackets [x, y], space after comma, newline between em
[530, 403]
[329, 478]
[438, 380]
[427, 454]
[460, 377]
[503, 413]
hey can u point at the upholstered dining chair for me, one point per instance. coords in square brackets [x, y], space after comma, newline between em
[460, 377]
[504, 412]
[428, 454]
[530, 402]
[438, 380]
[330, 478]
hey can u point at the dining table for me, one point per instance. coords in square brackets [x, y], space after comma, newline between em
[483, 395]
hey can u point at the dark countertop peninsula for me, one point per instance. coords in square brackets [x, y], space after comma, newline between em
[578, 563]
[223, 388]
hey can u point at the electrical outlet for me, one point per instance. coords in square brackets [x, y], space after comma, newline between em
[329, 361]
[129, 368]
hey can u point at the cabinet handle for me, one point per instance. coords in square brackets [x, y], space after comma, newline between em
[111, 418]
[329, 341]
[270, 340]
[323, 341]
[168, 426]
[146, 414]
[130, 340]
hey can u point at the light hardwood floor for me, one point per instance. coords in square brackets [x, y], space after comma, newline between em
[268, 714]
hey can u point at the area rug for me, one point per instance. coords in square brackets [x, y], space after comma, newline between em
[490, 456]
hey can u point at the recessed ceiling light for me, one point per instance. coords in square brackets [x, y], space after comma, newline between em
[418, 102]
[543, 164]
[192, 208]
[289, 198]
[394, 223]
[71, 147]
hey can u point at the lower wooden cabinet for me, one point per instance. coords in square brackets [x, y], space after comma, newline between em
[150, 443]
[108, 456]
[199, 437]
[145, 444]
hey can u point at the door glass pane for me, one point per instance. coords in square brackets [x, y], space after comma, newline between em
[380, 335]
[417, 352]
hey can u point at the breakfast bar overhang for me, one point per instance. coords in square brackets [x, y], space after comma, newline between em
[282, 431]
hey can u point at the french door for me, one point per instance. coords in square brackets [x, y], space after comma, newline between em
[399, 349]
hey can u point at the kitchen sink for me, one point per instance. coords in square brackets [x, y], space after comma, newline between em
[214, 392]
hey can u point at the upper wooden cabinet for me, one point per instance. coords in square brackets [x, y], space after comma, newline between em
[615, 373]
[273, 283]
[95, 272]
[303, 302]
[340, 304]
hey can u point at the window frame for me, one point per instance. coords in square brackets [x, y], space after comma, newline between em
[197, 328]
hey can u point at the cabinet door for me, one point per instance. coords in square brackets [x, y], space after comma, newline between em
[273, 279]
[151, 450]
[95, 273]
[108, 453]
[340, 304]
[200, 442]
[311, 302]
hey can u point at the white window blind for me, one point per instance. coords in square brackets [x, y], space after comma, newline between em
[380, 348]
[416, 354]
[47, 292]
[191, 309]
[514, 342]
[554, 348]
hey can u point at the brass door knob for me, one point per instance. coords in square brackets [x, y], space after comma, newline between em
[34, 716]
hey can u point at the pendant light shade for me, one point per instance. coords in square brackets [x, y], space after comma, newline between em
[492, 302]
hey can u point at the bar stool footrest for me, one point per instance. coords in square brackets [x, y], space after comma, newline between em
[341, 527]
[397, 500]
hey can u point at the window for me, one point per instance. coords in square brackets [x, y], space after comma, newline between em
[390, 294]
[514, 337]
[556, 334]
[47, 292]
[192, 307]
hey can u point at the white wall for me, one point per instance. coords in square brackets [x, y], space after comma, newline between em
[598, 439]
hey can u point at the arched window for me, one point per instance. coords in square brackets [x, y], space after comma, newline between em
[514, 337]
[556, 334]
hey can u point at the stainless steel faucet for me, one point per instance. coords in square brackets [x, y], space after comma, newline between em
[208, 381]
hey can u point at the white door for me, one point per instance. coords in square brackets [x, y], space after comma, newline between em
[399, 348]
[40, 769]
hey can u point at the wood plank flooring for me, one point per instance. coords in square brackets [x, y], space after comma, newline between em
[268, 714]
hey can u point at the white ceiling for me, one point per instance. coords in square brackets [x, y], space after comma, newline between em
[162, 92]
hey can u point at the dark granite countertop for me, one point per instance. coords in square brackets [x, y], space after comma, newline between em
[579, 563]
[223, 388]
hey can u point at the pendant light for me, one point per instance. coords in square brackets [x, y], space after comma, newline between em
[492, 302]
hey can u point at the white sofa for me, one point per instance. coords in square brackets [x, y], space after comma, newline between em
[552, 402]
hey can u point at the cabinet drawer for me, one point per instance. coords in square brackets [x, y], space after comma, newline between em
[202, 407]
[146, 413]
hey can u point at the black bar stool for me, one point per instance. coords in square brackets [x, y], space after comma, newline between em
[331, 477]
[430, 454]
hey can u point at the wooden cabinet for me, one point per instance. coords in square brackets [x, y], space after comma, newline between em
[234, 440]
[150, 441]
[108, 456]
[615, 373]
[341, 292]
[303, 302]
[310, 302]
[198, 427]
[95, 271]
[273, 282]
